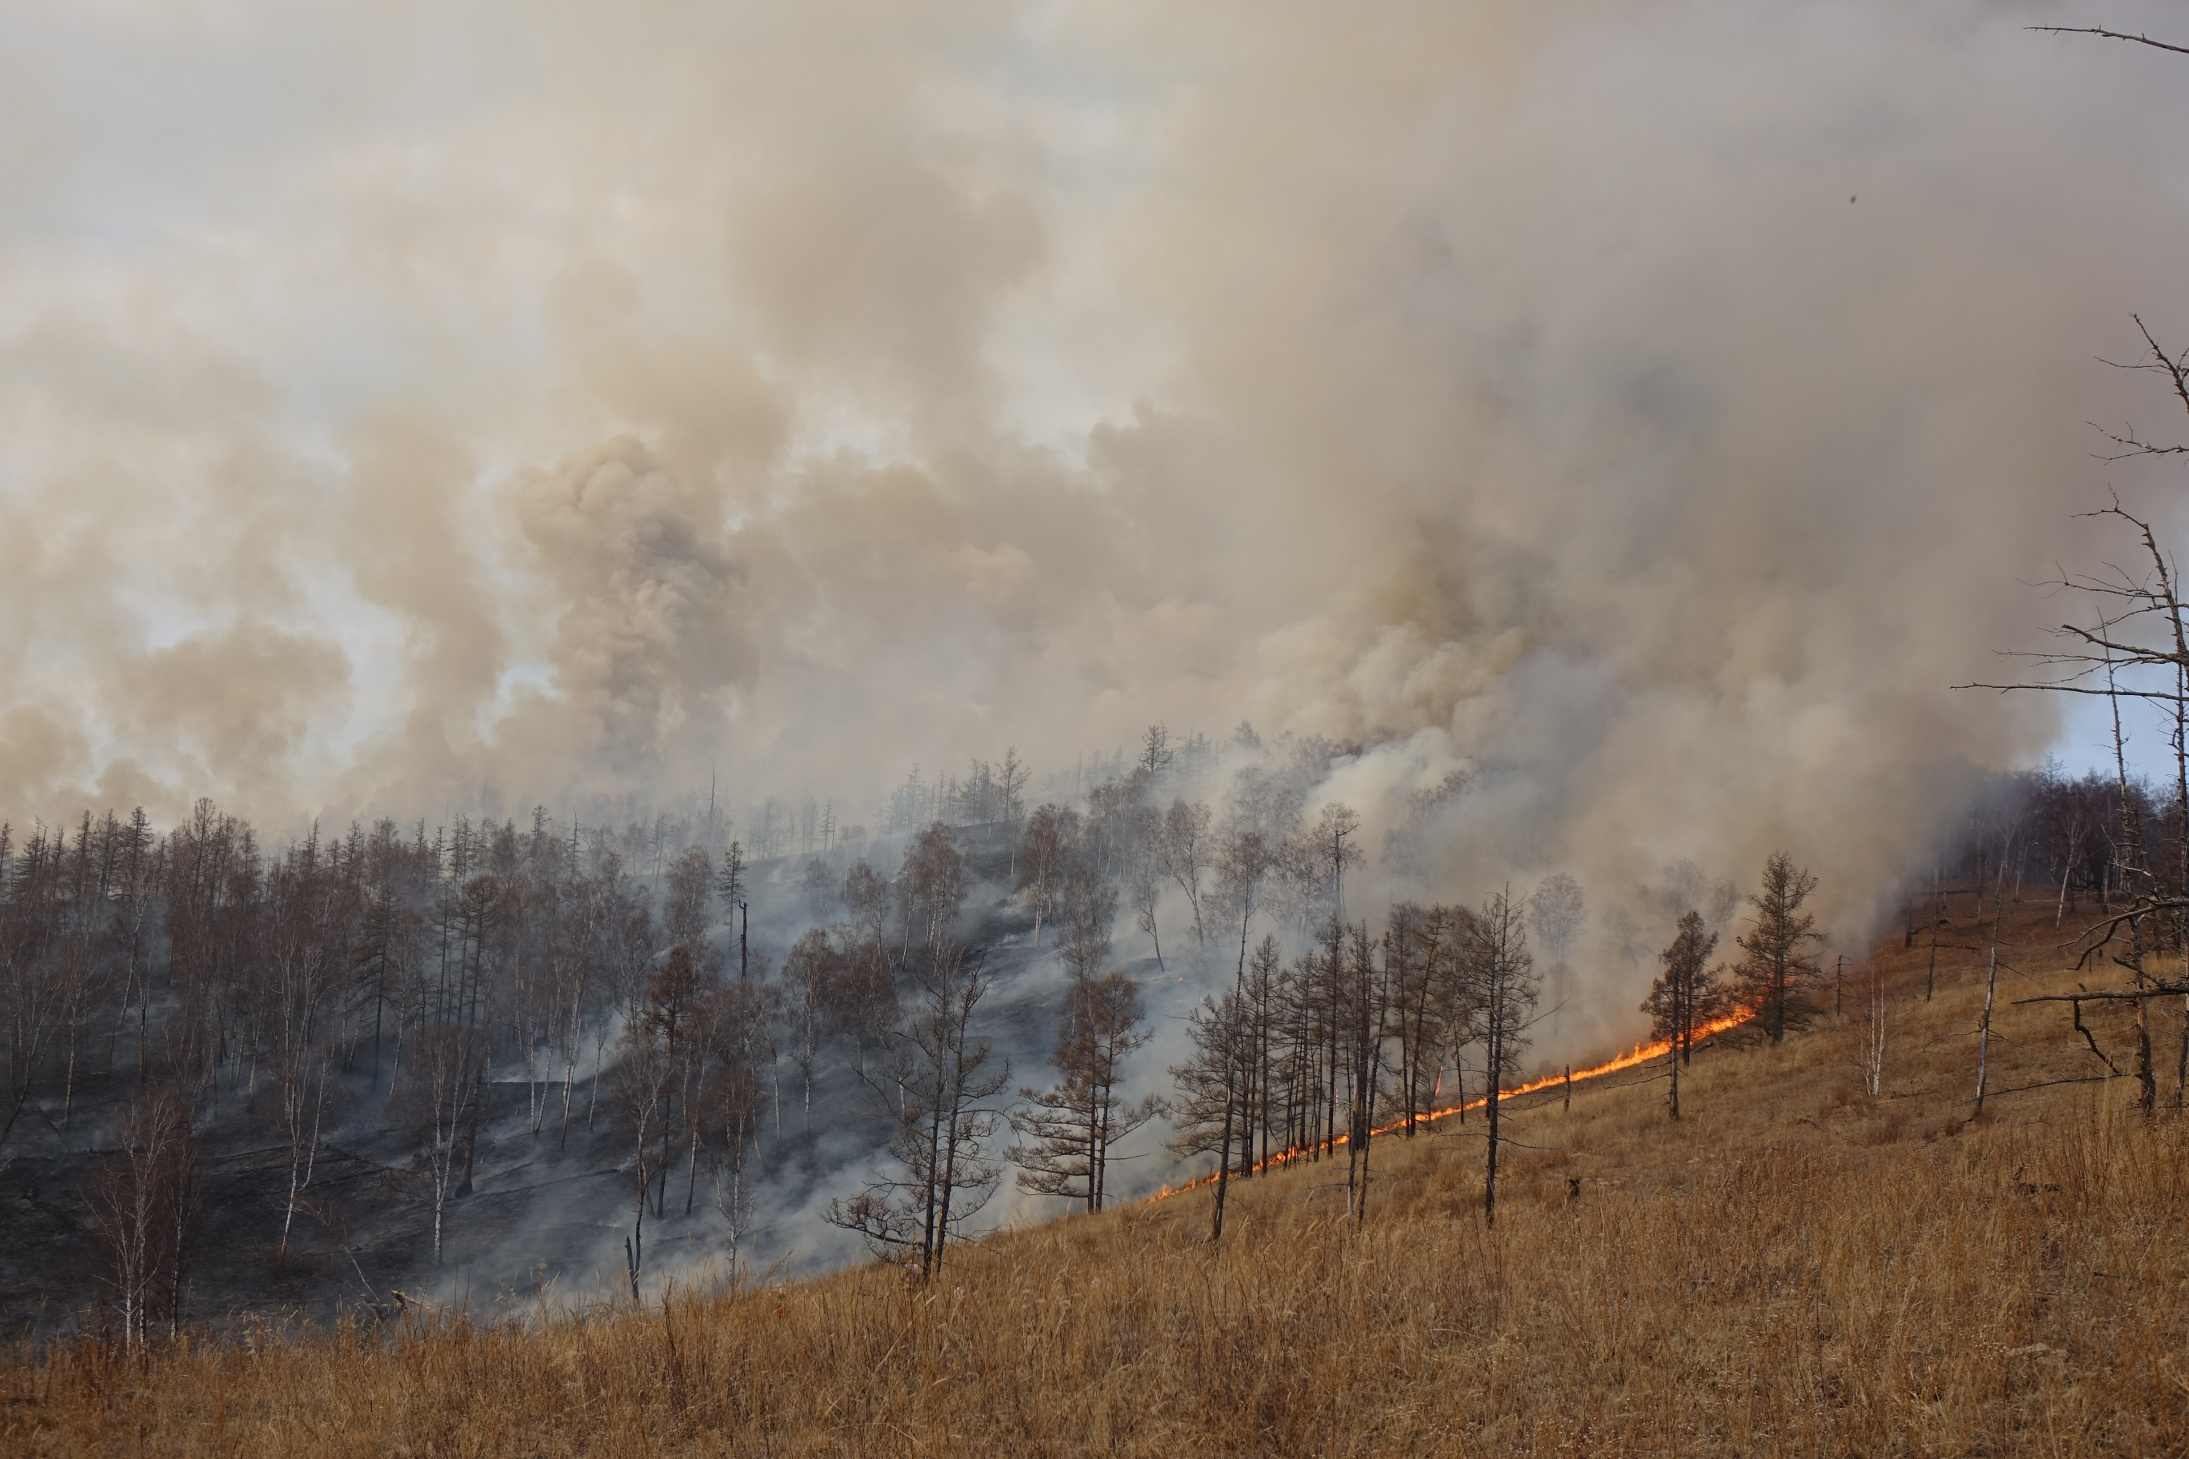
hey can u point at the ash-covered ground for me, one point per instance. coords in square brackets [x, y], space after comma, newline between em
[546, 1215]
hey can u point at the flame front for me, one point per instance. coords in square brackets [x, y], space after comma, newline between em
[1640, 1054]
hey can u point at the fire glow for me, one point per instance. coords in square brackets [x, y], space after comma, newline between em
[1634, 1058]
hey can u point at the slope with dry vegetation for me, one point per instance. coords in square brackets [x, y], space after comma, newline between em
[1794, 1267]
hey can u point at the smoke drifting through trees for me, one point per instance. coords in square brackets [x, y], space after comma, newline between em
[482, 983]
[823, 469]
[470, 982]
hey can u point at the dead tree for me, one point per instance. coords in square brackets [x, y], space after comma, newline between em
[1247, 860]
[1557, 911]
[730, 886]
[1182, 853]
[1044, 856]
[944, 1122]
[1368, 994]
[2138, 652]
[1072, 1129]
[1505, 971]
[443, 1083]
[1872, 1058]
[143, 1202]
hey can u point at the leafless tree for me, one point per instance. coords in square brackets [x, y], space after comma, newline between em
[944, 1123]
[730, 886]
[1333, 829]
[1246, 862]
[931, 886]
[819, 884]
[645, 1074]
[143, 1202]
[1182, 853]
[1073, 1127]
[866, 897]
[1044, 859]
[1147, 899]
[1011, 781]
[812, 973]
[1505, 970]
[1088, 909]
[444, 1083]
[1871, 1054]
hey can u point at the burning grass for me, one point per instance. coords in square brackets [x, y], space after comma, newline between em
[1795, 1268]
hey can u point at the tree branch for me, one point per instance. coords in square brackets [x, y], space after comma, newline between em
[2111, 35]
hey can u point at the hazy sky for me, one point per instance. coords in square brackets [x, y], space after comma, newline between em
[1659, 403]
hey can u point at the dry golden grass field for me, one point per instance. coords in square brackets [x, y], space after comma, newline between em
[1793, 1268]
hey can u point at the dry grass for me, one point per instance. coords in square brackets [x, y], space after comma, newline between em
[1795, 1269]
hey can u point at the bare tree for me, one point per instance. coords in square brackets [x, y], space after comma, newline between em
[444, 1079]
[1155, 751]
[1557, 910]
[1367, 1002]
[944, 1123]
[309, 917]
[1871, 1057]
[812, 972]
[1147, 898]
[644, 1075]
[1072, 1127]
[1182, 853]
[1044, 858]
[1247, 860]
[30, 993]
[1336, 825]
[726, 1111]
[866, 897]
[731, 887]
[685, 906]
[1204, 1116]
[1505, 970]
[143, 1202]
[931, 885]
[819, 884]
[1088, 909]
[1011, 793]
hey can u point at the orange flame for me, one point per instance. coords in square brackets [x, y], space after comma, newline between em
[1638, 1055]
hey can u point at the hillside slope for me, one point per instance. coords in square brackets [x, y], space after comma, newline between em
[1795, 1267]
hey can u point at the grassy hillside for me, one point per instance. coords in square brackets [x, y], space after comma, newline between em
[1796, 1267]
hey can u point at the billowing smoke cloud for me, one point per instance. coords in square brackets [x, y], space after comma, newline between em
[1648, 409]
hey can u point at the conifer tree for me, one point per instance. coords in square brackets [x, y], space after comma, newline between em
[1776, 968]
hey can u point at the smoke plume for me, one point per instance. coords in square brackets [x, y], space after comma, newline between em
[1646, 410]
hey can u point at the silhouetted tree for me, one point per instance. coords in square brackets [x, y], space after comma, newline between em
[1776, 969]
[1686, 995]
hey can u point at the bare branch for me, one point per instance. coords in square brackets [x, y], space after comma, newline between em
[2077, 689]
[2110, 995]
[2111, 35]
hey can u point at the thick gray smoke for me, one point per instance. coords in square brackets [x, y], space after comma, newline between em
[1650, 408]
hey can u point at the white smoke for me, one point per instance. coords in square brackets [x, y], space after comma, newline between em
[1649, 409]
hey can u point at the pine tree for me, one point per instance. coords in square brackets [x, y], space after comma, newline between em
[1776, 968]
